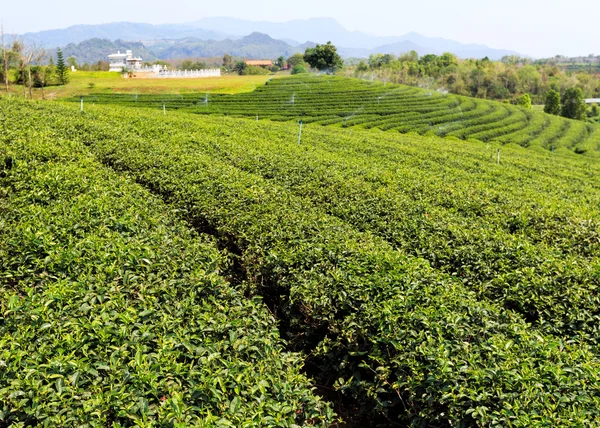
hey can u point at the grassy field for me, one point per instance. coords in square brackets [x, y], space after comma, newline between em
[85, 82]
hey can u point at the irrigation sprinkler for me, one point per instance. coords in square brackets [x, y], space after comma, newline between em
[498, 159]
[256, 118]
[300, 133]
[164, 110]
[81, 104]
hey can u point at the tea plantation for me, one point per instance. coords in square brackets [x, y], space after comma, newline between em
[183, 270]
[331, 100]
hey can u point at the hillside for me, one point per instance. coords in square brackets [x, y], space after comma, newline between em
[118, 31]
[295, 32]
[329, 100]
[253, 46]
[322, 30]
[166, 268]
[94, 50]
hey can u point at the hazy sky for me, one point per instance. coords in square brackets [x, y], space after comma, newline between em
[533, 27]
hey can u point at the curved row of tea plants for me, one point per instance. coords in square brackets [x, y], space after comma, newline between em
[330, 100]
[535, 250]
[383, 327]
[113, 313]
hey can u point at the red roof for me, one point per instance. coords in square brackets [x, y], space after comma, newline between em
[260, 63]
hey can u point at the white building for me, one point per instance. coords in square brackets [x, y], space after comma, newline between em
[120, 62]
[124, 61]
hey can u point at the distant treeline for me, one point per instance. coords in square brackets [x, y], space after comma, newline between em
[507, 79]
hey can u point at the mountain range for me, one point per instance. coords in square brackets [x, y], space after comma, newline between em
[221, 35]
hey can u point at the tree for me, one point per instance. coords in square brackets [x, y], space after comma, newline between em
[72, 62]
[280, 62]
[62, 73]
[362, 66]
[573, 104]
[298, 69]
[41, 72]
[529, 79]
[295, 59]
[228, 61]
[18, 53]
[324, 58]
[239, 67]
[524, 101]
[552, 105]
[188, 64]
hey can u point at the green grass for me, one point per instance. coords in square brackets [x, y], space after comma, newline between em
[108, 83]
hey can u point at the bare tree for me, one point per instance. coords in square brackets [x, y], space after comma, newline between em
[18, 51]
[27, 58]
[42, 73]
[4, 59]
[30, 54]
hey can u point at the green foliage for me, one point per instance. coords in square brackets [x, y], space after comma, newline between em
[228, 62]
[295, 59]
[62, 73]
[573, 104]
[362, 66]
[299, 69]
[239, 67]
[422, 282]
[498, 80]
[251, 70]
[524, 101]
[188, 64]
[72, 62]
[324, 58]
[552, 105]
[281, 62]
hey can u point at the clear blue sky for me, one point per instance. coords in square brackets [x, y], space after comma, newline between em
[534, 27]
